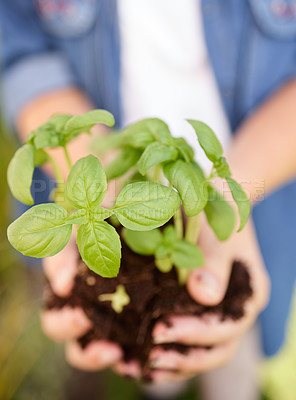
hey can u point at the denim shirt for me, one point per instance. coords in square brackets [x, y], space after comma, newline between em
[51, 44]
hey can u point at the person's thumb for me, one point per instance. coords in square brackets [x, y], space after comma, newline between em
[62, 268]
[207, 285]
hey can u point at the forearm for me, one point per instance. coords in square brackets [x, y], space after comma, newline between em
[68, 101]
[263, 152]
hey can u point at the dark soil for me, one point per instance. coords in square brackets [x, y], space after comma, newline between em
[153, 295]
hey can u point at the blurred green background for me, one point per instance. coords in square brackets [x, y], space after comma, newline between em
[32, 367]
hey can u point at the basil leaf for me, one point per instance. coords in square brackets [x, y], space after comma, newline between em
[100, 248]
[59, 121]
[144, 243]
[41, 231]
[89, 119]
[207, 140]
[143, 206]
[84, 122]
[164, 264]
[222, 168]
[198, 169]
[20, 174]
[100, 213]
[162, 251]
[187, 255]
[169, 235]
[241, 200]
[79, 217]
[126, 159]
[220, 214]
[151, 128]
[86, 185]
[46, 136]
[154, 154]
[190, 185]
[185, 149]
[40, 157]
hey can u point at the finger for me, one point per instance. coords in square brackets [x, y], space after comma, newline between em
[62, 268]
[65, 324]
[195, 361]
[207, 285]
[204, 331]
[131, 369]
[96, 356]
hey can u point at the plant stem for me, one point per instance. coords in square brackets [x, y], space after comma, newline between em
[178, 222]
[156, 173]
[183, 274]
[68, 159]
[192, 229]
[56, 170]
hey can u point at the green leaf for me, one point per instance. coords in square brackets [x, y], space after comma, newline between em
[187, 255]
[84, 122]
[222, 168]
[109, 141]
[79, 217]
[40, 157]
[207, 140]
[59, 121]
[198, 169]
[100, 248]
[20, 174]
[190, 185]
[241, 200]
[41, 231]
[149, 130]
[154, 154]
[169, 235]
[143, 206]
[46, 137]
[126, 159]
[144, 243]
[164, 264]
[100, 213]
[185, 149]
[162, 251]
[220, 215]
[86, 185]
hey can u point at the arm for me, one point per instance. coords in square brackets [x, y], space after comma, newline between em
[263, 149]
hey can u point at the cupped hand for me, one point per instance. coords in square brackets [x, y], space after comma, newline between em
[67, 324]
[208, 285]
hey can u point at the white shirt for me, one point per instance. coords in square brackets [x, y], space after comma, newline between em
[165, 70]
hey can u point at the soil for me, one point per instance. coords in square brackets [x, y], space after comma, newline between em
[154, 296]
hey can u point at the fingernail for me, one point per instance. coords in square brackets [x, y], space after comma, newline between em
[208, 284]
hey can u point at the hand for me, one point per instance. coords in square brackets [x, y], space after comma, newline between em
[67, 324]
[208, 285]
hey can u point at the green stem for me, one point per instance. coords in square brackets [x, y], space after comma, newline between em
[68, 159]
[56, 170]
[156, 173]
[192, 229]
[183, 274]
[178, 222]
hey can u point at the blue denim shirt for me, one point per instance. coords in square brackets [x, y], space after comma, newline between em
[50, 44]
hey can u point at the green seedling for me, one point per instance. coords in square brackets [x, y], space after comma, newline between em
[162, 179]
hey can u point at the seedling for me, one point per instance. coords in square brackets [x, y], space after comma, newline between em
[148, 154]
[119, 299]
